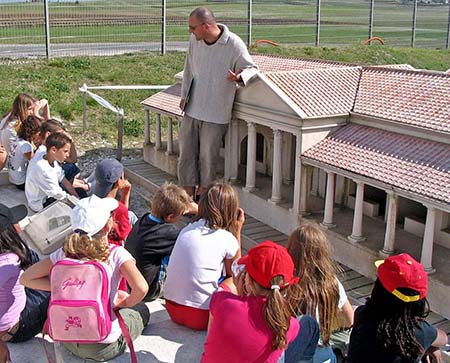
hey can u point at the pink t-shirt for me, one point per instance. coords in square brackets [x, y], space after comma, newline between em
[238, 332]
[12, 293]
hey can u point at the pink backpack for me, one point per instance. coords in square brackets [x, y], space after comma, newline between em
[79, 310]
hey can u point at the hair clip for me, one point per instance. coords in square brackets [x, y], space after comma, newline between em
[275, 287]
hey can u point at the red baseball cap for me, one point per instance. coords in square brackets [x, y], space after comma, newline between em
[403, 271]
[267, 260]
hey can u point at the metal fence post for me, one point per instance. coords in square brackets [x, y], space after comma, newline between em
[120, 117]
[47, 29]
[447, 44]
[414, 20]
[249, 23]
[163, 27]
[372, 4]
[84, 110]
[318, 23]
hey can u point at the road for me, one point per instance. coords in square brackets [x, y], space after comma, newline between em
[78, 49]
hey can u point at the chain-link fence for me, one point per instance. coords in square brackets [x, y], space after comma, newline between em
[100, 27]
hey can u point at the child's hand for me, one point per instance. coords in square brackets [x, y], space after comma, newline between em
[241, 217]
[120, 299]
[192, 209]
[124, 184]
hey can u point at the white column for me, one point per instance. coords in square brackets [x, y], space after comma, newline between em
[170, 137]
[147, 139]
[158, 132]
[297, 175]
[356, 235]
[305, 189]
[250, 183]
[277, 172]
[391, 222]
[288, 163]
[428, 239]
[329, 202]
[233, 152]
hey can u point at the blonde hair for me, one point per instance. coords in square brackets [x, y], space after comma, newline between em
[19, 109]
[80, 246]
[170, 199]
[276, 310]
[318, 286]
[219, 206]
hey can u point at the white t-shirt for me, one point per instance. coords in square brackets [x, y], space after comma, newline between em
[117, 257]
[42, 182]
[196, 264]
[17, 162]
[8, 134]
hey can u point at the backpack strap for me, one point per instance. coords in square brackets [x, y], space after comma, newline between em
[126, 335]
[45, 331]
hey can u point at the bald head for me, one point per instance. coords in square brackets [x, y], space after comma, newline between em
[204, 15]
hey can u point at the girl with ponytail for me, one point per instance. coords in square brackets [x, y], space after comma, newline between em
[255, 325]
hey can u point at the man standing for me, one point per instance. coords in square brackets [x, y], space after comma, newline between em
[216, 61]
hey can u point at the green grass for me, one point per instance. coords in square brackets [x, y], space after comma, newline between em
[59, 79]
[343, 22]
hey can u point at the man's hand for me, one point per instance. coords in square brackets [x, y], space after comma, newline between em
[4, 353]
[234, 77]
[182, 103]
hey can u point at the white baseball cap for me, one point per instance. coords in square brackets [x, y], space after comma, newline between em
[91, 214]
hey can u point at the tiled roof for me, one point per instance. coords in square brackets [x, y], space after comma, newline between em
[416, 98]
[320, 92]
[406, 67]
[273, 63]
[167, 100]
[409, 163]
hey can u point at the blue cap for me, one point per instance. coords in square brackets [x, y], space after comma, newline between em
[107, 173]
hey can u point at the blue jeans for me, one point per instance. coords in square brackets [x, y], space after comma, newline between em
[324, 354]
[302, 348]
[33, 316]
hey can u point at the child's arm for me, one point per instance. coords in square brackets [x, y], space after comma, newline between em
[28, 155]
[125, 187]
[191, 209]
[37, 276]
[69, 187]
[4, 351]
[137, 283]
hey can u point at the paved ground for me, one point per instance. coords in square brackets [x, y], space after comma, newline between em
[78, 49]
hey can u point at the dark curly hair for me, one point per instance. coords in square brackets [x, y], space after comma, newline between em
[29, 127]
[397, 321]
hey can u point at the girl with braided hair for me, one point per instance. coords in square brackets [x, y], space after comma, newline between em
[391, 326]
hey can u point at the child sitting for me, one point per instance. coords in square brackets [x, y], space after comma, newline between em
[109, 181]
[203, 251]
[23, 106]
[91, 222]
[391, 326]
[153, 236]
[256, 325]
[22, 151]
[43, 176]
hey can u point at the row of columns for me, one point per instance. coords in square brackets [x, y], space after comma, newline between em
[277, 170]
[158, 134]
[391, 221]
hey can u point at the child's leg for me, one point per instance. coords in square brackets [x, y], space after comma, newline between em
[135, 318]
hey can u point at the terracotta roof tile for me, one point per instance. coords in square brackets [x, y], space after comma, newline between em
[167, 100]
[409, 163]
[405, 66]
[416, 98]
[273, 63]
[320, 92]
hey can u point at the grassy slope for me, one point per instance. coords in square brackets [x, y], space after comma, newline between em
[59, 80]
